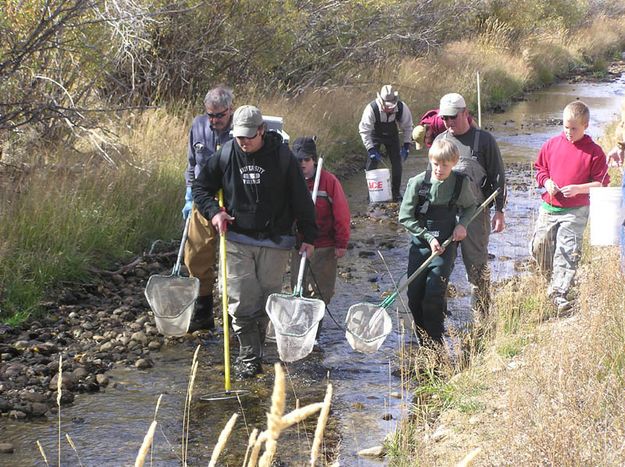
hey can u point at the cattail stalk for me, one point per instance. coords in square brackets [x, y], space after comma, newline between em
[145, 446]
[42, 452]
[59, 394]
[299, 415]
[250, 444]
[71, 443]
[256, 449]
[223, 439]
[274, 417]
[321, 425]
[186, 414]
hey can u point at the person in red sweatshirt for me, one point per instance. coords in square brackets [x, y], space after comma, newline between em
[568, 165]
[333, 225]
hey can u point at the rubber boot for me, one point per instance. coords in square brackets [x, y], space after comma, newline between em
[203, 314]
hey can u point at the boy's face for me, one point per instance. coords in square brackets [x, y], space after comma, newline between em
[441, 169]
[574, 128]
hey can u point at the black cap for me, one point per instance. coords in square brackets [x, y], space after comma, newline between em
[305, 146]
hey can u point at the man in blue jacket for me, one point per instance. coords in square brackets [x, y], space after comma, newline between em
[208, 133]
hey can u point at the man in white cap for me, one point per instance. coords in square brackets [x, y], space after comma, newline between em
[379, 126]
[264, 194]
[480, 159]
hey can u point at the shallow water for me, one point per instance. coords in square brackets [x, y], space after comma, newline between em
[108, 428]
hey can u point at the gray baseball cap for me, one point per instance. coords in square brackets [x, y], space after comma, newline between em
[246, 121]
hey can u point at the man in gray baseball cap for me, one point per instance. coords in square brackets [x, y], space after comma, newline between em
[264, 193]
[480, 159]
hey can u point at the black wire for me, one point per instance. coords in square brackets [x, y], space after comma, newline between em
[318, 291]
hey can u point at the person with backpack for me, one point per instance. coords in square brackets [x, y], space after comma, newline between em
[381, 121]
[264, 193]
[428, 211]
[208, 133]
[481, 161]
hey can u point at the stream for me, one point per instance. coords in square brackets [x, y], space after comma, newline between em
[108, 428]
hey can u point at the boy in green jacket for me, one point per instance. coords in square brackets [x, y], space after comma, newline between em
[429, 210]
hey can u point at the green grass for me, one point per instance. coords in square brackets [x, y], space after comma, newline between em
[70, 223]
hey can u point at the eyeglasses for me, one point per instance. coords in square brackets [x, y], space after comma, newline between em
[305, 159]
[217, 115]
[448, 117]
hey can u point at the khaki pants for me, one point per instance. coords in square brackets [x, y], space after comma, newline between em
[254, 273]
[320, 283]
[557, 246]
[200, 251]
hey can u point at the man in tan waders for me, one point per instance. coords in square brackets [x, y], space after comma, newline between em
[481, 161]
[208, 133]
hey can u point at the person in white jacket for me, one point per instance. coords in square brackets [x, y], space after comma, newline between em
[381, 121]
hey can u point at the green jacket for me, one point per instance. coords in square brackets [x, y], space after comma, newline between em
[440, 194]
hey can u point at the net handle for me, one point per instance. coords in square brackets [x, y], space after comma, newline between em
[388, 301]
[185, 234]
[302, 263]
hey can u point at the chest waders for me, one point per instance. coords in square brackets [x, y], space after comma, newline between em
[469, 164]
[427, 295]
[387, 134]
[475, 246]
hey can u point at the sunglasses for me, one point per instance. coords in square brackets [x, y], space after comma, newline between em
[217, 115]
[448, 117]
[247, 138]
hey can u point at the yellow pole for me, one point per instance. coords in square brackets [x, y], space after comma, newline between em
[224, 299]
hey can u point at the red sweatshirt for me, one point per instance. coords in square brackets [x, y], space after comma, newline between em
[331, 212]
[569, 163]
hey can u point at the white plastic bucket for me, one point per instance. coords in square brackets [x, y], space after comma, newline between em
[606, 216]
[379, 184]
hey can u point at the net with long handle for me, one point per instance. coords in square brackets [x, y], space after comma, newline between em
[172, 297]
[368, 324]
[295, 318]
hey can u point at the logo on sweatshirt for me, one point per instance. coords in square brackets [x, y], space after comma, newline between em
[251, 174]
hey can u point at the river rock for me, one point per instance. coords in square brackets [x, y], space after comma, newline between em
[21, 345]
[79, 373]
[375, 451]
[6, 448]
[107, 346]
[67, 382]
[154, 345]
[102, 379]
[17, 414]
[5, 406]
[31, 396]
[144, 363]
[140, 337]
